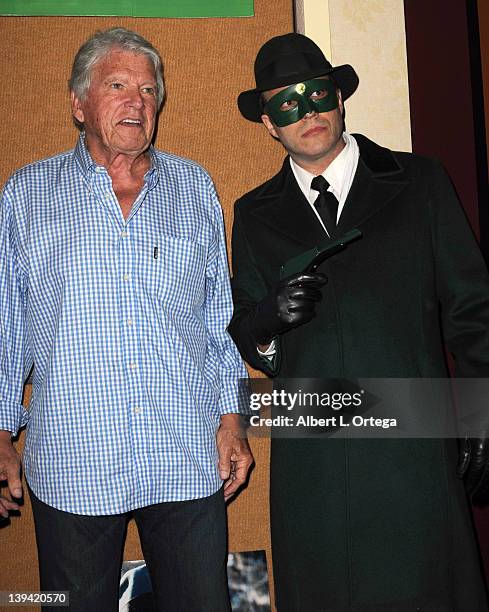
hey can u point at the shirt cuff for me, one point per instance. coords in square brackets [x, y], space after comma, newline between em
[269, 353]
[13, 416]
[235, 398]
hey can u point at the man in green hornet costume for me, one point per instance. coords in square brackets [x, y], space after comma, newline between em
[363, 525]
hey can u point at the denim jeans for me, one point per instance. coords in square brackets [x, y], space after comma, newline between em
[184, 546]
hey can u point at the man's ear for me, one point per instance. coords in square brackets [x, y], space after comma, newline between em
[340, 102]
[269, 125]
[76, 108]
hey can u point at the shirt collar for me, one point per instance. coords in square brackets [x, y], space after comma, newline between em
[334, 173]
[90, 169]
[82, 157]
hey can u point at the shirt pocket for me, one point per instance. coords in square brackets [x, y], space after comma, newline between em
[179, 273]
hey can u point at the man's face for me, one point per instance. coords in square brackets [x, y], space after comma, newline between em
[119, 108]
[314, 140]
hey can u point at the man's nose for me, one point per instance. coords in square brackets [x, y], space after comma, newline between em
[310, 113]
[308, 109]
[135, 98]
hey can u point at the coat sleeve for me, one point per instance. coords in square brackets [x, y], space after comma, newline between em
[462, 281]
[249, 287]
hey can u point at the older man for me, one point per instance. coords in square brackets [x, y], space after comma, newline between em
[114, 286]
[362, 525]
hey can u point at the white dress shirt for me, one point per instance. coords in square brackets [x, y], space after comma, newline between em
[339, 175]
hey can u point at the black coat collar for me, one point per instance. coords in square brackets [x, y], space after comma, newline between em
[379, 160]
[280, 204]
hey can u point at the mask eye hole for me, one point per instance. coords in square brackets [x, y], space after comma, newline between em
[319, 94]
[288, 105]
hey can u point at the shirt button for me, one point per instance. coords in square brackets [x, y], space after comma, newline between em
[130, 321]
[126, 277]
[133, 366]
[137, 410]
[124, 234]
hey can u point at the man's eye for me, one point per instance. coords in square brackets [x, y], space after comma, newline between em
[149, 90]
[288, 105]
[319, 94]
[116, 85]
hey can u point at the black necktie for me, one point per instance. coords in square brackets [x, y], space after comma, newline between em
[326, 203]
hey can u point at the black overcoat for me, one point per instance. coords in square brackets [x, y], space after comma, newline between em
[370, 525]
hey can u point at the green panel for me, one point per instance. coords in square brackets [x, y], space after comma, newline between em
[130, 8]
[193, 8]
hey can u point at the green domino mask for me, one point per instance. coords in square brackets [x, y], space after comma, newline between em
[291, 104]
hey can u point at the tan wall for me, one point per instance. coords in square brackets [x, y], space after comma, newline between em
[207, 63]
[369, 35]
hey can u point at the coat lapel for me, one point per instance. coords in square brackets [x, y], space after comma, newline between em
[377, 181]
[282, 206]
[284, 209]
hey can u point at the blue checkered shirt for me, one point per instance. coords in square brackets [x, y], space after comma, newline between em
[125, 324]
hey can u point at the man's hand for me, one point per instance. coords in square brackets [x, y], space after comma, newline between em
[291, 303]
[9, 471]
[235, 458]
[474, 468]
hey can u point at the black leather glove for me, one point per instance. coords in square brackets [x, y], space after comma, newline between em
[473, 466]
[291, 303]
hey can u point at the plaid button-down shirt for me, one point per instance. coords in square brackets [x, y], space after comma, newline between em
[125, 324]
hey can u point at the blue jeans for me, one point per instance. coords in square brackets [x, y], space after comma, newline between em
[184, 546]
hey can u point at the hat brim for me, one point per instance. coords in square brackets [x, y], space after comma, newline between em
[249, 101]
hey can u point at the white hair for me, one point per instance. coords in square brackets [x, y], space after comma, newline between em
[101, 44]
